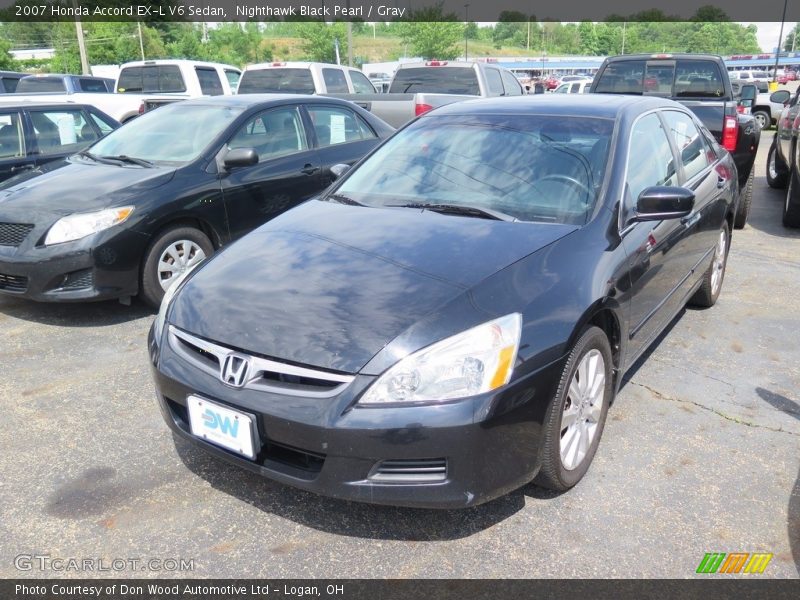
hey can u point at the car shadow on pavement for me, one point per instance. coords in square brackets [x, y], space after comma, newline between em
[79, 314]
[791, 408]
[766, 212]
[354, 519]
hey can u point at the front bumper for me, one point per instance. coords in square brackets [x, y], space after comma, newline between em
[489, 443]
[99, 267]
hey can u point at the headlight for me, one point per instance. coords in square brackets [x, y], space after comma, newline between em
[165, 302]
[74, 227]
[472, 362]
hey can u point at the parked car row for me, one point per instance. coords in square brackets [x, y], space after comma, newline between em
[783, 160]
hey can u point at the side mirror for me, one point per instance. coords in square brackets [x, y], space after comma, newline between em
[338, 170]
[780, 97]
[659, 203]
[240, 157]
[748, 92]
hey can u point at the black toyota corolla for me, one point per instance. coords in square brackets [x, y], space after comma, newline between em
[157, 196]
[453, 317]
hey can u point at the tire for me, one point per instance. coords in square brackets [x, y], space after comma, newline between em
[179, 246]
[791, 205]
[763, 118]
[562, 469]
[707, 295]
[777, 171]
[744, 206]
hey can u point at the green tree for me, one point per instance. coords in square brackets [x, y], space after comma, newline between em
[433, 39]
[789, 43]
[319, 40]
[6, 60]
[588, 38]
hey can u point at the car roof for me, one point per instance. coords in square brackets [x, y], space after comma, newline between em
[609, 106]
[248, 100]
[664, 56]
[294, 65]
[36, 104]
[176, 61]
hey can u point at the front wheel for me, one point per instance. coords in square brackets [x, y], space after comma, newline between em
[791, 205]
[747, 199]
[777, 172]
[576, 416]
[171, 254]
[763, 119]
[707, 295]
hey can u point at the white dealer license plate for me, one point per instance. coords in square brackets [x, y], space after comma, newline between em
[220, 425]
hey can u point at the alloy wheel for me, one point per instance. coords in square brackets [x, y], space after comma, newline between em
[582, 409]
[718, 266]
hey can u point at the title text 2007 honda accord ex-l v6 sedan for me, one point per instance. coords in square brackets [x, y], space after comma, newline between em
[452, 318]
[160, 194]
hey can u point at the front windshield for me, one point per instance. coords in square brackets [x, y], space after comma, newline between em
[176, 133]
[529, 167]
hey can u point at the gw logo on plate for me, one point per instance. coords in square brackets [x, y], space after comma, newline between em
[235, 368]
[213, 420]
[736, 562]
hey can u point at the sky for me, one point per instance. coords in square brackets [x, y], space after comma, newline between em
[768, 34]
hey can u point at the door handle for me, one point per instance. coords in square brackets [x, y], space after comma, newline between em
[309, 169]
[691, 219]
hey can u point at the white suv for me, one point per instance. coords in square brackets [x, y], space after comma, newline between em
[303, 78]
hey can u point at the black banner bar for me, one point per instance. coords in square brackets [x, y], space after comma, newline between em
[394, 10]
[440, 589]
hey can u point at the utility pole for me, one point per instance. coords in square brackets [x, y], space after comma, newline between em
[624, 23]
[349, 38]
[466, 26]
[81, 42]
[141, 43]
[780, 38]
[528, 44]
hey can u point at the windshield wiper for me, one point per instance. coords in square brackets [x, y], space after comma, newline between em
[341, 199]
[100, 159]
[131, 160]
[459, 209]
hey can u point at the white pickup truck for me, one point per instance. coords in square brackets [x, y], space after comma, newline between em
[157, 81]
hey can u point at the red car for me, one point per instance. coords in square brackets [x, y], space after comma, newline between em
[552, 82]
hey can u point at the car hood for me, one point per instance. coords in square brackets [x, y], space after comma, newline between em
[73, 185]
[329, 285]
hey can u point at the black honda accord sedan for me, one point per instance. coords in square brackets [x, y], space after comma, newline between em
[130, 213]
[453, 317]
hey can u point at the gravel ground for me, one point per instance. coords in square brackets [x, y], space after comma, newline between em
[701, 453]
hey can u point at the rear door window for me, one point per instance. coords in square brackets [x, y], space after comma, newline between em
[151, 79]
[510, 84]
[34, 85]
[495, 82]
[233, 78]
[210, 84]
[361, 85]
[335, 81]
[12, 141]
[87, 84]
[61, 131]
[436, 80]
[334, 125]
[275, 81]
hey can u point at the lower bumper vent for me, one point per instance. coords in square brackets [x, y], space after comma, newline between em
[13, 283]
[425, 470]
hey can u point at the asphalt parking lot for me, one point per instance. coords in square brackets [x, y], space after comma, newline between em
[701, 453]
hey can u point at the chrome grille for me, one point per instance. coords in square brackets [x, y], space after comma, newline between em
[13, 283]
[13, 234]
[423, 470]
[263, 374]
